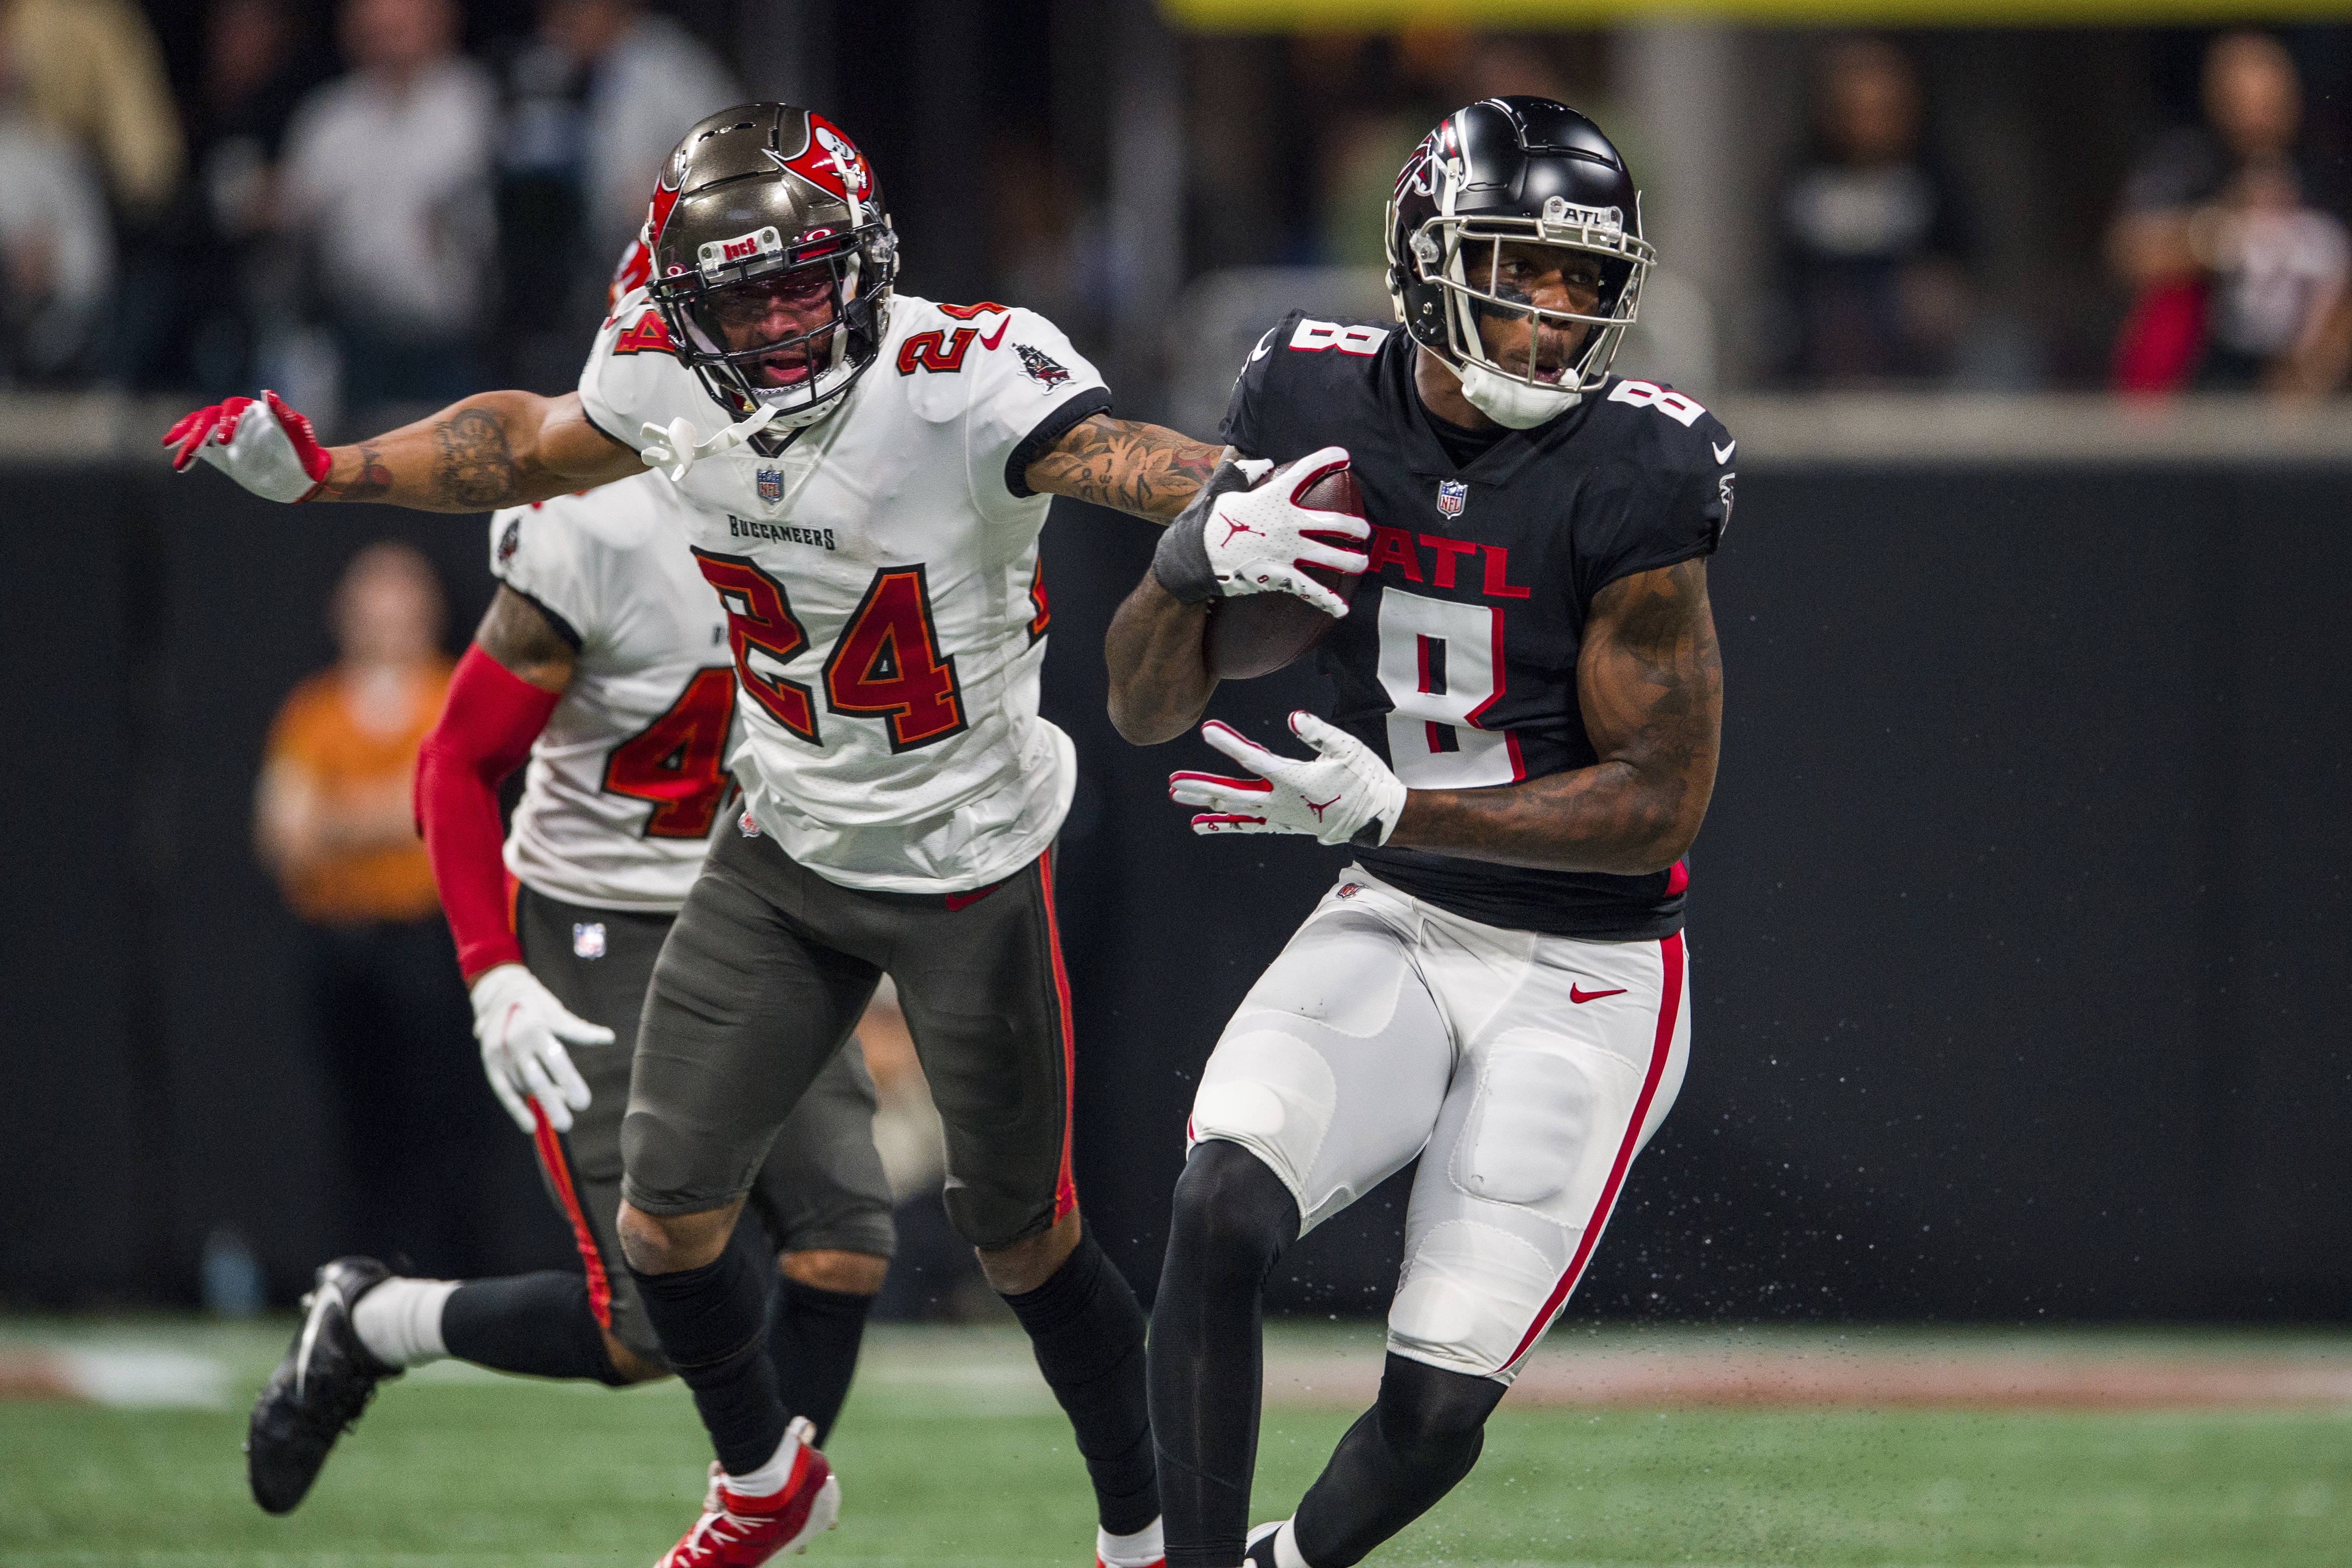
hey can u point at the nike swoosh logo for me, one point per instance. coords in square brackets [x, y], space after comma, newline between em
[319, 1304]
[1265, 345]
[965, 900]
[1722, 454]
[990, 343]
[1577, 994]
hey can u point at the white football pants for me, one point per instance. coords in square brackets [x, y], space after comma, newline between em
[1526, 1071]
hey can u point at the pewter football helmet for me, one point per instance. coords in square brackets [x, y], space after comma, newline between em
[752, 193]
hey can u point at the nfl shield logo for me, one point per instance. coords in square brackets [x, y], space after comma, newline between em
[772, 484]
[1451, 495]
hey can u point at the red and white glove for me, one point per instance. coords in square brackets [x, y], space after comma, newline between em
[265, 447]
[523, 1029]
[1247, 534]
[1331, 796]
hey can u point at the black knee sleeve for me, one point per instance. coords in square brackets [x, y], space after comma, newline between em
[541, 1325]
[1232, 1220]
[1088, 1331]
[712, 1322]
[1411, 1447]
[813, 1337]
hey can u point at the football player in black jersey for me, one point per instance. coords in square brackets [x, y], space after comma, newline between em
[1521, 748]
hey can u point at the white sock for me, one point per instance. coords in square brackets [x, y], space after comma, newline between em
[1140, 1550]
[400, 1321]
[770, 1478]
[1286, 1546]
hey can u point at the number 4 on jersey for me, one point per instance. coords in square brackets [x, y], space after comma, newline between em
[887, 664]
[678, 760]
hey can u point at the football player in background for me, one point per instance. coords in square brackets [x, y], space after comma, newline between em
[1522, 747]
[868, 510]
[604, 658]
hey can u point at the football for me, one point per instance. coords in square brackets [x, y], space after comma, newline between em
[1257, 634]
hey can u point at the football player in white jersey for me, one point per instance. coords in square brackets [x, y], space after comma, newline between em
[867, 474]
[603, 657]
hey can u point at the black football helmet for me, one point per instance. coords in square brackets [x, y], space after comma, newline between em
[1505, 170]
[755, 191]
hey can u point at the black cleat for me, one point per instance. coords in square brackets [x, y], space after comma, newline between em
[318, 1391]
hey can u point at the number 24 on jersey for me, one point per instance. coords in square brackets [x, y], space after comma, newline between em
[886, 665]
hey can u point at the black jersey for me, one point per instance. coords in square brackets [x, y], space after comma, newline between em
[1457, 660]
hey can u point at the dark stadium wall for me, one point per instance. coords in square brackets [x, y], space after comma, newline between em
[185, 618]
[2020, 976]
[2019, 982]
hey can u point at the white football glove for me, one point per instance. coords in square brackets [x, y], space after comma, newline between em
[675, 446]
[1251, 536]
[1331, 796]
[523, 1029]
[265, 447]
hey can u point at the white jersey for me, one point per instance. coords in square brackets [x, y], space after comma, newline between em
[629, 776]
[880, 576]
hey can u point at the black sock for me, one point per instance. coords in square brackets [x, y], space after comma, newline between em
[1088, 1331]
[1232, 1218]
[540, 1324]
[812, 1337]
[712, 1322]
[1404, 1454]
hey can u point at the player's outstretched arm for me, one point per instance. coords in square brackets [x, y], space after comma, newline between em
[1126, 466]
[1158, 683]
[492, 449]
[1650, 683]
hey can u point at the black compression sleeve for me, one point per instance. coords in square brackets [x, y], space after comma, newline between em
[1232, 1218]
[537, 1324]
[813, 1337]
[1088, 1331]
[712, 1322]
[1407, 1451]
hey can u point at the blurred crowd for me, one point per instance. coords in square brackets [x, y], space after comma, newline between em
[336, 210]
[1893, 218]
[347, 205]
[2236, 273]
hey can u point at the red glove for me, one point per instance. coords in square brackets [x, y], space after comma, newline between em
[265, 447]
[485, 732]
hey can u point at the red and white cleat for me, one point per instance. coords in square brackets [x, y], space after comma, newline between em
[743, 1532]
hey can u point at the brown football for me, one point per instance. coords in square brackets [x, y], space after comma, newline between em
[1257, 634]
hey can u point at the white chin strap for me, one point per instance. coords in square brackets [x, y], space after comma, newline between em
[1513, 403]
[678, 446]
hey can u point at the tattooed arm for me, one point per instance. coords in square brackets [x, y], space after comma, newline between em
[493, 449]
[1650, 682]
[526, 641]
[1159, 679]
[1118, 463]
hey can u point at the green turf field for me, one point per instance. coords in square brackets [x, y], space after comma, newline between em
[951, 1452]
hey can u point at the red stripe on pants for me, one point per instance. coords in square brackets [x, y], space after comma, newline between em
[1065, 1186]
[1661, 1047]
[559, 1170]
